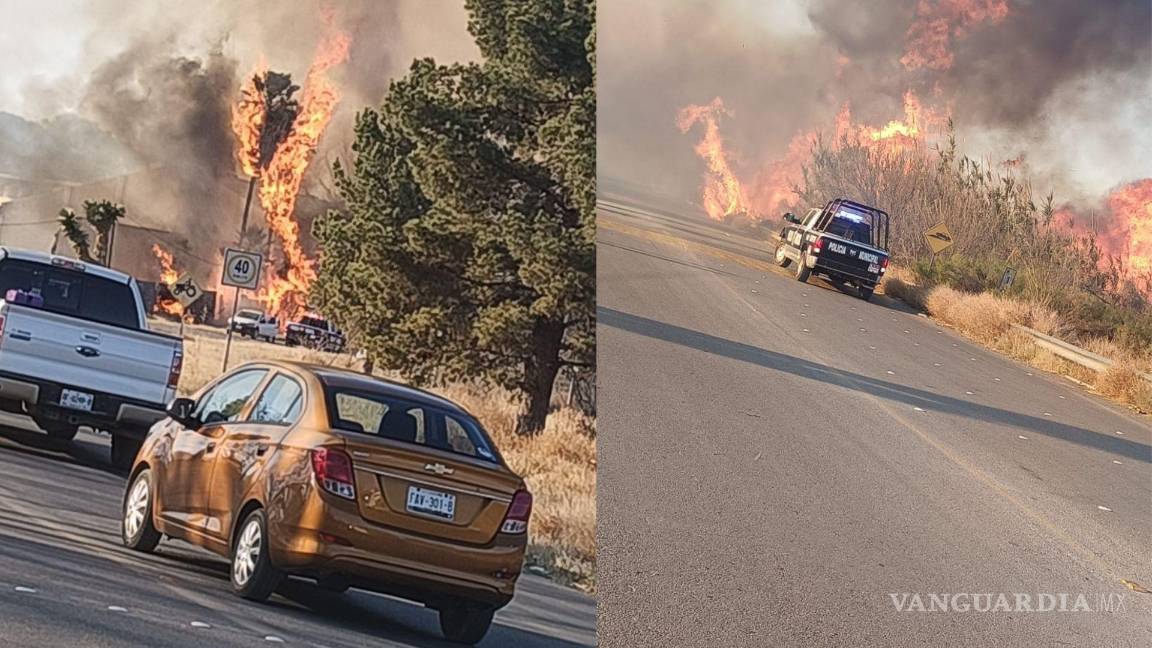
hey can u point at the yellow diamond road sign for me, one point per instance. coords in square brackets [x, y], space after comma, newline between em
[939, 238]
[185, 290]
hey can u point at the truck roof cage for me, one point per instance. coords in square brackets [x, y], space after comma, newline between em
[880, 226]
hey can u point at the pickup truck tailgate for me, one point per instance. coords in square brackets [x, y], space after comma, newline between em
[134, 364]
[850, 257]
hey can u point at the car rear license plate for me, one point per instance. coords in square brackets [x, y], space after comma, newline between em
[76, 400]
[431, 502]
[873, 268]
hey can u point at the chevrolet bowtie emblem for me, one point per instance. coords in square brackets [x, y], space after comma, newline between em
[439, 469]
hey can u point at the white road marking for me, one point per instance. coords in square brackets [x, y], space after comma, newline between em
[874, 348]
[970, 393]
[754, 292]
[1021, 436]
[918, 409]
[863, 330]
[807, 331]
[1104, 508]
[955, 345]
[905, 330]
[1116, 462]
[199, 624]
[803, 314]
[116, 608]
[25, 590]
[971, 358]
[273, 639]
[1047, 414]
[1029, 373]
[891, 373]
[1062, 398]
[935, 364]
[1119, 432]
[996, 379]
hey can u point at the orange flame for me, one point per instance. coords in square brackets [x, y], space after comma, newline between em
[1123, 233]
[247, 122]
[770, 190]
[168, 276]
[723, 194]
[939, 22]
[285, 292]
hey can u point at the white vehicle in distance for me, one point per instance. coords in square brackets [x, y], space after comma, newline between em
[75, 350]
[255, 324]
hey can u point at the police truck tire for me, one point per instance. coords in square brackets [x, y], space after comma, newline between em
[802, 271]
[782, 259]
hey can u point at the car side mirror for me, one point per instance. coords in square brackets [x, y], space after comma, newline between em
[790, 217]
[181, 410]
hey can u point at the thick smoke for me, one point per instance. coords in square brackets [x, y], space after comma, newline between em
[1015, 85]
[150, 99]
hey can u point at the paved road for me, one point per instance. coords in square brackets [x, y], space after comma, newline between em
[777, 459]
[66, 581]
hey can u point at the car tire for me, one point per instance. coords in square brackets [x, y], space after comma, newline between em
[465, 624]
[137, 530]
[252, 573]
[865, 293]
[802, 271]
[124, 451]
[782, 259]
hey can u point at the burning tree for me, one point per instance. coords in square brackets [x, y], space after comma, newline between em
[468, 247]
[278, 136]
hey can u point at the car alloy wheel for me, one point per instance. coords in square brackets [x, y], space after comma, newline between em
[248, 549]
[254, 577]
[136, 528]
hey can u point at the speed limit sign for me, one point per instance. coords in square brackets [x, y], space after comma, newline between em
[242, 269]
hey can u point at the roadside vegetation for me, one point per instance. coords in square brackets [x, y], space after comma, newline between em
[559, 463]
[1063, 286]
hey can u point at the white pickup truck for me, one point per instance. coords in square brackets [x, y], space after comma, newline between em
[75, 350]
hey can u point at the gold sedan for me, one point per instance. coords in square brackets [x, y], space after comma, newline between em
[353, 481]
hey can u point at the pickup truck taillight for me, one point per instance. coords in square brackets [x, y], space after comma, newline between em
[884, 264]
[175, 368]
[816, 246]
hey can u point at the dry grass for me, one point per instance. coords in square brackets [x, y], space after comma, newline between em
[988, 319]
[559, 464]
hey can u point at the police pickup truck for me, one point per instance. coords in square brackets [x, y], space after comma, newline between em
[75, 350]
[846, 241]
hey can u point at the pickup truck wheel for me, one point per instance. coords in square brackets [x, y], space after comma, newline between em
[136, 528]
[465, 624]
[253, 575]
[124, 451]
[782, 260]
[802, 271]
[61, 432]
[865, 293]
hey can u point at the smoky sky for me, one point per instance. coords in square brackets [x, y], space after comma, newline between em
[1066, 83]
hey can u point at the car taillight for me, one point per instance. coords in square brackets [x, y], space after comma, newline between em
[884, 264]
[516, 520]
[333, 469]
[817, 246]
[175, 368]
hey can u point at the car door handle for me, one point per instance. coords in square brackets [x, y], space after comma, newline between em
[20, 335]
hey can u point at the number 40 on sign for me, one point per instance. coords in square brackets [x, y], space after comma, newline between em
[242, 268]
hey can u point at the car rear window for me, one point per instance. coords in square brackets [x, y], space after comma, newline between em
[72, 292]
[401, 420]
[314, 322]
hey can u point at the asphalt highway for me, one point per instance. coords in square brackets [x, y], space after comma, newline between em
[781, 463]
[65, 579]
